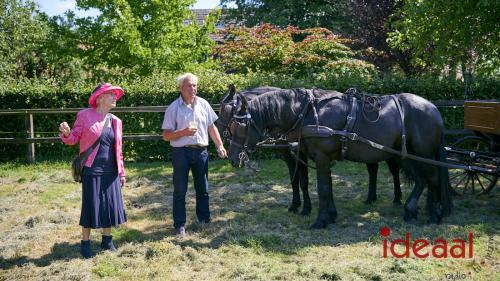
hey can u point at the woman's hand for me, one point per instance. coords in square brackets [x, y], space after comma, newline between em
[64, 129]
[122, 181]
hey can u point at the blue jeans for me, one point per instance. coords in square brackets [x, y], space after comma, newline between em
[196, 160]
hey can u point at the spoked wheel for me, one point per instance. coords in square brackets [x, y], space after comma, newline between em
[463, 181]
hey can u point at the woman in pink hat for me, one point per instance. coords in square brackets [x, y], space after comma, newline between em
[104, 172]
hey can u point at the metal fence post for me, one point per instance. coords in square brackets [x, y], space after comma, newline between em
[30, 134]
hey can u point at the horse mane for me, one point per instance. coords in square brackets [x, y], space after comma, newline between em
[278, 100]
[259, 90]
[224, 99]
[250, 93]
[321, 94]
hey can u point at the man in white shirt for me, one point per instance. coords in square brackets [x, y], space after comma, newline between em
[187, 124]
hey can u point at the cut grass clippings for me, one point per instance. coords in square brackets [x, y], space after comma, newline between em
[252, 235]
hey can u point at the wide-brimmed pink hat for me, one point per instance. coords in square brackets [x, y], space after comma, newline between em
[104, 88]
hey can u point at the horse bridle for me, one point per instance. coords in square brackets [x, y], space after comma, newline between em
[248, 121]
[226, 133]
[226, 130]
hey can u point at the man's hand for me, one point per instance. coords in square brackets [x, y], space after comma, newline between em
[122, 181]
[189, 131]
[222, 152]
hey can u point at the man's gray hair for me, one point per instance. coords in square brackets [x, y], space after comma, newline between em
[182, 77]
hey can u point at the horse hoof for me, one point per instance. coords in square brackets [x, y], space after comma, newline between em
[305, 212]
[434, 220]
[397, 203]
[410, 217]
[333, 216]
[293, 209]
[318, 225]
[368, 202]
[411, 221]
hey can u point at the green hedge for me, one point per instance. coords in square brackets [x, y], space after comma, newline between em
[161, 89]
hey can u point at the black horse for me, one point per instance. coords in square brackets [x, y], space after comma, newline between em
[290, 111]
[297, 169]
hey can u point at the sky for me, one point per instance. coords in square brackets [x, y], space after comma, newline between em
[58, 7]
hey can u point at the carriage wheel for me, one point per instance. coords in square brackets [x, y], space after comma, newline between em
[463, 181]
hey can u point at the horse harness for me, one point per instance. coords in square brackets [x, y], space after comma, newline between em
[347, 134]
[316, 130]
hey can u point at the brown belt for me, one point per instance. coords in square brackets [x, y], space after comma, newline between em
[196, 146]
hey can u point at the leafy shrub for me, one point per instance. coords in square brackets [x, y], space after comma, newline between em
[161, 89]
[290, 51]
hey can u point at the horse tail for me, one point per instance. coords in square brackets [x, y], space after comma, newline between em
[444, 181]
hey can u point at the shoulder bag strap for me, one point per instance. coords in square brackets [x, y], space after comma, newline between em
[83, 156]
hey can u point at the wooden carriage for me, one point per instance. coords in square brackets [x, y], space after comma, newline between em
[480, 151]
[482, 116]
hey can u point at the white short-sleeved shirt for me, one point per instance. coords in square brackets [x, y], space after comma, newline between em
[179, 114]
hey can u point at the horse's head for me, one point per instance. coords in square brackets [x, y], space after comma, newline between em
[228, 107]
[245, 134]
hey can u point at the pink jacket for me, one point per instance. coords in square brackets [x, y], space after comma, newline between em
[87, 129]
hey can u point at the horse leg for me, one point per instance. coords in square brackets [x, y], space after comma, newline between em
[372, 182]
[394, 168]
[304, 185]
[411, 212]
[434, 207]
[436, 179]
[327, 213]
[294, 179]
[441, 187]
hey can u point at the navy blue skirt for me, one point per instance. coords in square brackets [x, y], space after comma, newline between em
[102, 201]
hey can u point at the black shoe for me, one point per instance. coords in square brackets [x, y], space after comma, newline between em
[107, 243]
[86, 250]
[180, 231]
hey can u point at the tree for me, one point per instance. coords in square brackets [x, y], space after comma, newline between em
[62, 49]
[450, 33]
[302, 14]
[144, 35]
[369, 25]
[291, 51]
[22, 34]
[366, 22]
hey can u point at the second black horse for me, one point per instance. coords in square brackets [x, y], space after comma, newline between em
[405, 122]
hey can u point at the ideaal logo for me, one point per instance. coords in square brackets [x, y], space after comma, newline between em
[423, 248]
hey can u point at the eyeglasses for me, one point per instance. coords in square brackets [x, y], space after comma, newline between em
[110, 94]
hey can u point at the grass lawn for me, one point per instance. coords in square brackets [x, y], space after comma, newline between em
[252, 236]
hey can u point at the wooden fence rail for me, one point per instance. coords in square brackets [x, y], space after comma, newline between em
[30, 139]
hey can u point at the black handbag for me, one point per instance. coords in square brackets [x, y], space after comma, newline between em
[79, 161]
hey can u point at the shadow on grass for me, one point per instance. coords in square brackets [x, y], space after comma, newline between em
[67, 251]
[60, 251]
